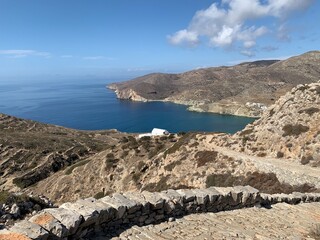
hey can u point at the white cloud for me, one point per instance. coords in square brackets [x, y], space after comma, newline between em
[66, 56]
[20, 53]
[283, 33]
[247, 53]
[270, 48]
[229, 23]
[97, 58]
[181, 36]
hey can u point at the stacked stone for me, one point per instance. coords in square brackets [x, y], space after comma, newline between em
[87, 216]
[293, 198]
[19, 205]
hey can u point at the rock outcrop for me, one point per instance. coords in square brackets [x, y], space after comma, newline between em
[289, 129]
[17, 206]
[226, 90]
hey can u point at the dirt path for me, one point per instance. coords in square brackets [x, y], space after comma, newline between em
[288, 171]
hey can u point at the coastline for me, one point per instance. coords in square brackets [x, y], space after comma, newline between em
[249, 110]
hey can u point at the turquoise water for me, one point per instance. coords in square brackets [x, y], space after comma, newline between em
[90, 106]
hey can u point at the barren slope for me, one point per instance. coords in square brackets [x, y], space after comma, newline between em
[66, 164]
[31, 151]
[289, 129]
[244, 89]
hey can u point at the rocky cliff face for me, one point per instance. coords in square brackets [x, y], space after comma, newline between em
[130, 95]
[289, 129]
[234, 90]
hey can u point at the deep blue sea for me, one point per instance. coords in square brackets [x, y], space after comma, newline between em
[90, 106]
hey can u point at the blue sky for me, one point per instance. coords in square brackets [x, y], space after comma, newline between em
[119, 39]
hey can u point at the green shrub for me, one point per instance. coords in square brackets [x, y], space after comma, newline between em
[159, 186]
[4, 195]
[111, 162]
[110, 156]
[145, 138]
[204, 157]
[172, 165]
[99, 195]
[182, 141]
[310, 111]
[294, 130]
[181, 133]
[280, 154]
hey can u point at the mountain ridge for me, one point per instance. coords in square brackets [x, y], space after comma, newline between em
[245, 89]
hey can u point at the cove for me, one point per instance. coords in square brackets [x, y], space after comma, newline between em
[90, 106]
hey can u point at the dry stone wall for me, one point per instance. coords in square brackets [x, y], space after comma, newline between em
[87, 216]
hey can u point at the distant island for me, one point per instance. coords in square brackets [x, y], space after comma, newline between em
[246, 89]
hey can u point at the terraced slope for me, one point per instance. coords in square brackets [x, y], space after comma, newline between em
[32, 151]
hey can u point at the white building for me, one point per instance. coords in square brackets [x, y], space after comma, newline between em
[155, 132]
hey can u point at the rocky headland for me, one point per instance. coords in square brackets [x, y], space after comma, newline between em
[246, 89]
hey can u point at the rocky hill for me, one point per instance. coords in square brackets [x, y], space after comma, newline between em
[65, 164]
[288, 130]
[278, 153]
[244, 89]
[31, 151]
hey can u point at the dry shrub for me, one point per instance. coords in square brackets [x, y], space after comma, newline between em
[294, 130]
[265, 182]
[203, 157]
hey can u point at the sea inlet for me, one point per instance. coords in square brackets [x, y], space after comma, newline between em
[89, 105]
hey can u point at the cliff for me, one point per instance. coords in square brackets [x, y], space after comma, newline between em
[245, 89]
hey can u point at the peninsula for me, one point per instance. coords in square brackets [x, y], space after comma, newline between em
[246, 89]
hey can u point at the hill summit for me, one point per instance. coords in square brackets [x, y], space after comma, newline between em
[246, 89]
[288, 129]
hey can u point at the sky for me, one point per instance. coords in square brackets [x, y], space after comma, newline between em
[121, 39]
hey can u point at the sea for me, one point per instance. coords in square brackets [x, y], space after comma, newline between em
[89, 105]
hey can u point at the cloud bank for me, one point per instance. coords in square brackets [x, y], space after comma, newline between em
[19, 53]
[229, 23]
[97, 58]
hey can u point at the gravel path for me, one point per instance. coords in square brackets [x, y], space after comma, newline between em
[288, 171]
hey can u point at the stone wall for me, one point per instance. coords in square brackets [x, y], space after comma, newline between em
[87, 216]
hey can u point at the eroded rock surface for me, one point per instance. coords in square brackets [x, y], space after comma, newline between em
[289, 129]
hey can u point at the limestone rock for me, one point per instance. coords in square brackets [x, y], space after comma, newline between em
[51, 224]
[288, 129]
[69, 218]
[31, 230]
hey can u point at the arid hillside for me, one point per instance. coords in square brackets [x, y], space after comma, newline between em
[65, 164]
[31, 151]
[289, 129]
[278, 153]
[244, 89]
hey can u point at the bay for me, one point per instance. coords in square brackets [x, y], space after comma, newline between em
[90, 106]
